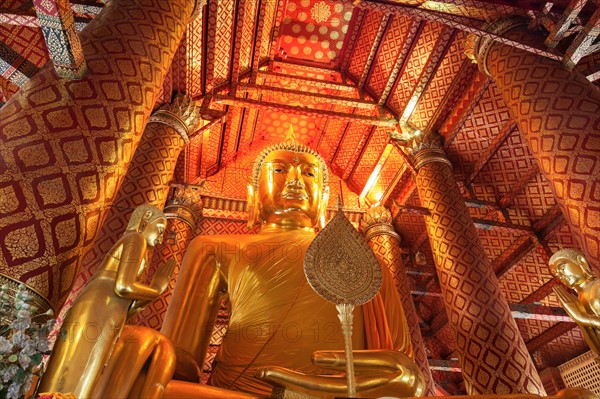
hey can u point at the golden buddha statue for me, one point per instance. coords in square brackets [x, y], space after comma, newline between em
[280, 331]
[96, 319]
[572, 269]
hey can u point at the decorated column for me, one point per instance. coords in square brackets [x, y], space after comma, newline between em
[147, 179]
[493, 355]
[385, 242]
[183, 211]
[65, 144]
[558, 114]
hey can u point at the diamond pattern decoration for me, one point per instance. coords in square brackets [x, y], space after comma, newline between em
[407, 82]
[60, 220]
[440, 83]
[485, 333]
[389, 50]
[365, 39]
[557, 113]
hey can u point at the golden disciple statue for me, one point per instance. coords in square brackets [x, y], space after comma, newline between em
[280, 331]
[96, 319]
[573, 270]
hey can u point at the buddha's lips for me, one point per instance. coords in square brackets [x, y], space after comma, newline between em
[294, 195]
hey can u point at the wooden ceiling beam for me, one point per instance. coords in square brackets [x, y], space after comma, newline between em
[510, 196]
[62, 40]
[549, 335]
[518, 311]
[276, 28]
[358, 19]
[309, 95]
[321, 84]
[304, 111]
[454, 21]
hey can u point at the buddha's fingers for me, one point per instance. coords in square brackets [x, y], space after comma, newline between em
[321, 384]
[367, 360]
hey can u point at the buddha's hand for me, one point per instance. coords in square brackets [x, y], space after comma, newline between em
[163, 275]
[378, 373]
[575, 309]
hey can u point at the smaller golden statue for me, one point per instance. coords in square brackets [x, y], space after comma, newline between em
[573, 270]
[96, 319]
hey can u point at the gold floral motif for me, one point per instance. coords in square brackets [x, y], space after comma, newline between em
[321, 12]
[64, 233]
[22, 243]
[8, 200]
[52, 191]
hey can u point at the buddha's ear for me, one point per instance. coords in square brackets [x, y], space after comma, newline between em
[323, 207]
[252, 210]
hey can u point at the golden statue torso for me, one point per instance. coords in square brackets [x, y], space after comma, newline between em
[276, 319]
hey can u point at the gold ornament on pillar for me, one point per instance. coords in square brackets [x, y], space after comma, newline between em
[377, 221]
[427, 148]
[573, 270]
[185, 204]
[182, 114]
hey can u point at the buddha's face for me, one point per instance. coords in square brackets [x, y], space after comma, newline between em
[569, 272]
[290, 189]
[154, 231]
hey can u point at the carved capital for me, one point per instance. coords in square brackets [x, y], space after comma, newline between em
[427, 148]
[182, 114]
[378, 221]
[185, 204]
[477, 47]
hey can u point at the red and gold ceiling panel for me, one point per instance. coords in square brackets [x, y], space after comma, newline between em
[331, 136]
[371, 155]
[480, 10]
[562, 238]
[220, 48]
[531, 328]
[526, 277]
[479, 130]
[314, 31]
[274, 127]
[364, 43]
[27, 41]
[563, 348]
[407, 82]
[388, 52]
[354, 138]
[247, 36]
[536, 198]
[250, 120]
[440, 83]
[265, 24]
[495, 242]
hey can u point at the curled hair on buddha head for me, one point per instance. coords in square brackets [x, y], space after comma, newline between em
[144, 215]
[572, 255]
[289, 144]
